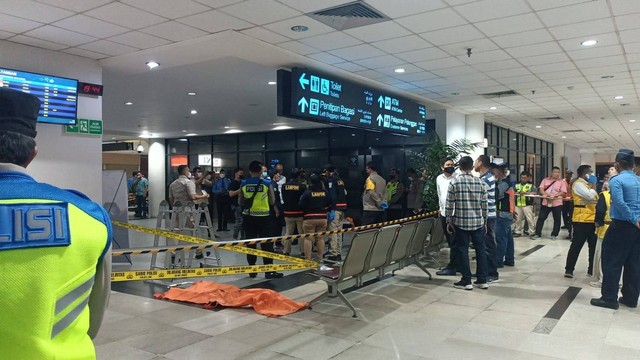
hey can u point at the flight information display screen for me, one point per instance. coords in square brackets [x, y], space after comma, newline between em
[58, 96]
[324, 98]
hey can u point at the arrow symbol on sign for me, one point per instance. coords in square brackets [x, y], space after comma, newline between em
[380, 120]
[381, 101]
[303, 104]
[303, 81]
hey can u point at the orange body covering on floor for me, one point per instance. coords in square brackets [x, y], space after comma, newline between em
[211, 294]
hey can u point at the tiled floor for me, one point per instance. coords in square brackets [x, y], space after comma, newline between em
[402, 317]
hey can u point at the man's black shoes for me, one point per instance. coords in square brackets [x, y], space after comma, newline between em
[605, 304]
[273, 275]
[623, 301]
[446, 272]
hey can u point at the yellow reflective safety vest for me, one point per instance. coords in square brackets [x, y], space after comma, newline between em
[256, 194]
[600, 231]
[582, 212]
[51, 242]
[521, 200]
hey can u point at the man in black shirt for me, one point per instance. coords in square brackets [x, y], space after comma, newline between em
[234, 190]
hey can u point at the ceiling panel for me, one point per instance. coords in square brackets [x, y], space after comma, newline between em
[170, 9]
[575, 13]
[334, 40]
[403, 44]
[108, 47]
[35, 11]
[492, 9]
[434, 20]
[260, 12]
[331, 59]
[452, 35]
[357, 52]
[124, 15]
[17, 25]
[397, 9]
[307, 6]
[90, 26]
[139, 40]
[265, 35]
[380, 31]
[380, 62]
[422, 55]
[214, 21]
[510, 25]
[61, 36]
[45, 44]
[76, 5]
[174, 31]
[522, 38]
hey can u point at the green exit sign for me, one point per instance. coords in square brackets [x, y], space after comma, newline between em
[86, 127]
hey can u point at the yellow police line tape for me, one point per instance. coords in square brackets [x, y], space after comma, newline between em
[236, 246]
[206, 244]
[132, 275]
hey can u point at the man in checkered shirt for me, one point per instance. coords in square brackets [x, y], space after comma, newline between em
[466, 214]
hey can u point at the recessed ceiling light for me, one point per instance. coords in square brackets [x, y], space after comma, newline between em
[299, 28]
[193, 112]
[493, 108]
[184, 130]
[400, 70]
[227, 127]
[191, 93]
[282, 127]
[128, 103]
[538, 126]
[233, 131]
[271, 83]
[590, 42]
[632, 120]
[191, 134]
[182, 140]
[515, 139]
[146, 135]
[619, 97]
[353, 134]
[564, 137]
[607, 77]
[152, 64]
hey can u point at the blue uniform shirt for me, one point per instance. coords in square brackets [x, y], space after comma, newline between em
[625, 197]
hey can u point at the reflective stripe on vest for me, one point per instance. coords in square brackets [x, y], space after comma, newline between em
[50, 318]
[391, 189]
[583, 212]
[602, 230]
[522, 200]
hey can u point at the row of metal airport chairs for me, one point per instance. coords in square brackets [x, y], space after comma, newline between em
[374, 253]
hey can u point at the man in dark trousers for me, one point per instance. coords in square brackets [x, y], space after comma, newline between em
[256, 197]
[293, 214]
[338, 197]
[621, 244]
[466, 213]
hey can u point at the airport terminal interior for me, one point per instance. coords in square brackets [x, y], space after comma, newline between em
[336, 92]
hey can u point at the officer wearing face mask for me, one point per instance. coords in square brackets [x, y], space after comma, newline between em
[442, 184]
[585, 198]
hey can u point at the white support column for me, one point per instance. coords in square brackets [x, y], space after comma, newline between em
[157, 174]
[474, 129]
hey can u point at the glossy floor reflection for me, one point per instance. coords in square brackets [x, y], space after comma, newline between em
[401, 317]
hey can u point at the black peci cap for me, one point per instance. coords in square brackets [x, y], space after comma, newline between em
[625, 155]
[18, 112]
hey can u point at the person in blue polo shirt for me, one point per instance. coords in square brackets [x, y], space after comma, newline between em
[621, 244]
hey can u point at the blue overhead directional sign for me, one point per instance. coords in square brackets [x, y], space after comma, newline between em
[310, 95]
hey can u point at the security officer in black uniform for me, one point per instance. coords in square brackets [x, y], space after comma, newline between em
[338, 197]
[316, 204]
[291, 193]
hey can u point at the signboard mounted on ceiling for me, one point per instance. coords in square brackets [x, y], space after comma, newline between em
[310, 95]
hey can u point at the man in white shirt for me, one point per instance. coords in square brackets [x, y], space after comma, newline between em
[442, 184]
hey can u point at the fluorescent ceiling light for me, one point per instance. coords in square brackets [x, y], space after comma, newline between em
[193, 112]
[632, 120]
[152, 64]
[493, 108]
[191, 93]
[589, 42]
[233, 131]
[400, 70]
[146, 135]
[182, 139]
[564, 137]
[128, 103]
[619, 97]
[191, 134]
[282, 127]
[538, 126]
[272, 83]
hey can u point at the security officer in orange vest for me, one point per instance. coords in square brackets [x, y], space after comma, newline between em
[55, 251]
[585, 198]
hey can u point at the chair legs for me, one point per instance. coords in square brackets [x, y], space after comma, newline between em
[417, 263]
[348, 303]
[318, 298]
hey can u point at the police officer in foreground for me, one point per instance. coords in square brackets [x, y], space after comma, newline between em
[256, 197]
[55, 251]
[338, 198]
